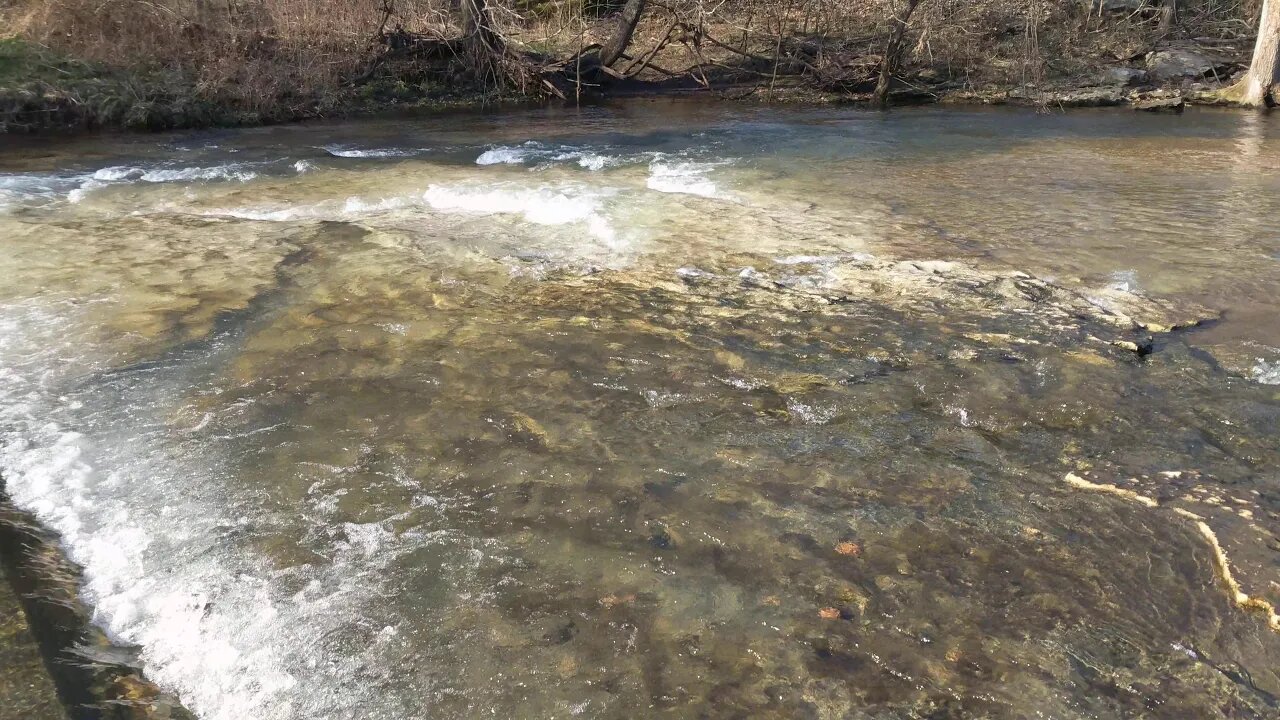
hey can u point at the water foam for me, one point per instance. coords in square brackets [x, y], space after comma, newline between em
[346, 151]
[505, 155]
[352, 208]
[35, 190]
[683, 177]
[540, 153]
[165, 543]
[1124, 281]
[118, 173]
[74, 188]
[237, 172]
[541, 206]
[544, 205]
[1267, 373]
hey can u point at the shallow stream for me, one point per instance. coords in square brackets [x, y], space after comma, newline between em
[662, 409]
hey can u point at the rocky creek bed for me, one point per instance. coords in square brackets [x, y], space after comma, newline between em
[1000, 437]
[805, 413]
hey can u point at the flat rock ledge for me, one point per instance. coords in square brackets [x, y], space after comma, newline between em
[935, 291]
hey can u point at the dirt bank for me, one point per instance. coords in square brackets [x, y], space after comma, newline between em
[74, 65]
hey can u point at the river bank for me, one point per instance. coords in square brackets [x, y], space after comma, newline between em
[83, 70]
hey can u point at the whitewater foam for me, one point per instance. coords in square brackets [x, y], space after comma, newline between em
[1124, 281]
[239, 172]
[351, 208]
[35, 190]
[345, 151]
[236, 172]
[546, 205]
[166, 546]
[507, 155]
[541, 206]
[683, 177]
[540, 154]
[117, 173]
[1267, 373]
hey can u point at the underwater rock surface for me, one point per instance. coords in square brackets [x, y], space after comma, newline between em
[404, 435]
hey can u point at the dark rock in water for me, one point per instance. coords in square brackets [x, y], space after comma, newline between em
[660, 537]
[1126, 76]
[87, 669]
[561, 634]
[1179, 63]
[666, 488]
[24, 684]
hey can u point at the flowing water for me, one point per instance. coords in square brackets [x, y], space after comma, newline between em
[637, 411]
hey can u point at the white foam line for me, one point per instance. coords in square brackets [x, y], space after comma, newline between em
[168, 564]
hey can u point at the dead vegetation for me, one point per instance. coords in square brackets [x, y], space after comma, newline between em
[268, 60]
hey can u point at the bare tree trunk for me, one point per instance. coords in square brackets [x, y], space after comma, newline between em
[477, 25]
[617, 43]
[483, 45]
[1260, 86]
[893, 52]
[1168, 15]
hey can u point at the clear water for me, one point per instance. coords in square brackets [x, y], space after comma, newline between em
[622, 412]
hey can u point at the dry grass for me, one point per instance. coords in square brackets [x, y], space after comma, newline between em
[265, 57]
[276, 59]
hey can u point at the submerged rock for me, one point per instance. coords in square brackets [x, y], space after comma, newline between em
[95, 677]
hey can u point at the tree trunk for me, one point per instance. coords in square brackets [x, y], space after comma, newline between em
[477, 26]
[1259, 86]
[893, 52]
[483, 46]
[617, 43]
[1168, 15]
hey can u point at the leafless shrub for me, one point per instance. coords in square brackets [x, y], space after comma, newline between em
[281, 56]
